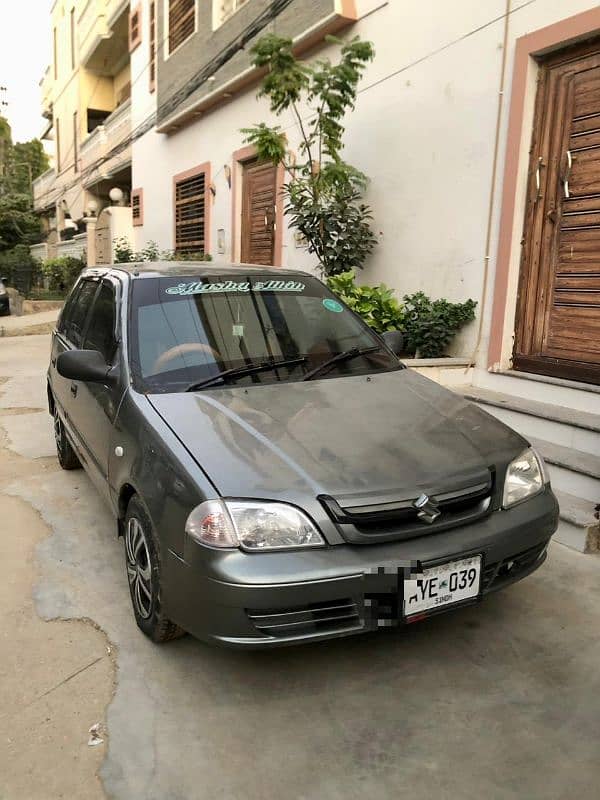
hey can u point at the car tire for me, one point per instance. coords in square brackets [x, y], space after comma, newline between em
[142, 562]
[67, 457]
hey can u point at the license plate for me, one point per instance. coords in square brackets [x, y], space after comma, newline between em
[443, 585]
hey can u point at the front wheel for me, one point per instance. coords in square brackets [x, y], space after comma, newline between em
[144, 575]
[67, 457]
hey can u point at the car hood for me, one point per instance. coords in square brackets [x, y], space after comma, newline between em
[389, 433]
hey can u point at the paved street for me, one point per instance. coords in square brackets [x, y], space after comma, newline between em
[499, 701]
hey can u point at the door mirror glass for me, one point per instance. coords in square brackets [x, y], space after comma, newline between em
[84, 365]
[395, 341]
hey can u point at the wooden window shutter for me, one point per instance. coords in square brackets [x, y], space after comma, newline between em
[137, 207]
[152, 64]
[182, 22]
[191, 205]
[135, 28]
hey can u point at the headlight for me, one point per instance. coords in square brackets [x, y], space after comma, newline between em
[251, 525]
[525, 476]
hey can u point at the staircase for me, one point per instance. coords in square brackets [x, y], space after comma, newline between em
[562, 420]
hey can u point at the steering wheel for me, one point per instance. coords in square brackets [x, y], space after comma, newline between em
[179, 351]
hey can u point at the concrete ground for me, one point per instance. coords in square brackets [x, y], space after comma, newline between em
[500, 700]
[36, 323]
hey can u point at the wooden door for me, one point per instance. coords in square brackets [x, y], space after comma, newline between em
[558, 310]
[259, 213]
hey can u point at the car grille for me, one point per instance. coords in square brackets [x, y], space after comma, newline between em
[496, 575]
[398, 519]
[324, 617]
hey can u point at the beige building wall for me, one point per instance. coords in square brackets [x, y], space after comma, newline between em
[89, 71]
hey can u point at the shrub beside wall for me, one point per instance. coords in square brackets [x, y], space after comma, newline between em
[429, 326]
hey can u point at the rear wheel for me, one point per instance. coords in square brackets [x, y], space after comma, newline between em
[67, 457]
[144, 575]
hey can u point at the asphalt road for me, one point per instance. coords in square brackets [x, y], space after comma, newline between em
[500, 701]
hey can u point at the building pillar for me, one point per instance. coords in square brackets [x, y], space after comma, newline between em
[90, 226]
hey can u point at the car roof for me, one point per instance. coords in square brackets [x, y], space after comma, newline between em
[195, 269]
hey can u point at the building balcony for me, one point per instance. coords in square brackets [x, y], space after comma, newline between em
[45, 190]
[107, 150]
[46, 91]
[103, 27]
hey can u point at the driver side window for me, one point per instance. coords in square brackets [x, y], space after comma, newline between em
[100, 333]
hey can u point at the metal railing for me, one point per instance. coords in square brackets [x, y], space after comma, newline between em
[99, 144]
[45, 190]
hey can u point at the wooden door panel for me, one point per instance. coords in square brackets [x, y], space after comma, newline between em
[574, 282]
[558, 313]
[258, 213]
[584, 176]
[586, 124]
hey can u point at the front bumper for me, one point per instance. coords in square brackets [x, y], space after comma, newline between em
[273, 599]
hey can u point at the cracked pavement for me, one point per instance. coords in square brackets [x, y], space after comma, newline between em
[499, 700]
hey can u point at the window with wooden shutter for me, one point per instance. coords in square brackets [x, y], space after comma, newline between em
[182, 22]
[152, 64]
[135, 28]
[137, 207]
[191, 211]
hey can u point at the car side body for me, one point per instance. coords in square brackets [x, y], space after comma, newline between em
[353, 452]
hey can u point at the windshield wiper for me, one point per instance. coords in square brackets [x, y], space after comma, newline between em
[347, 355]
[239, 372]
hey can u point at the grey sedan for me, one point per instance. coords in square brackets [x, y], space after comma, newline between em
[277, 474]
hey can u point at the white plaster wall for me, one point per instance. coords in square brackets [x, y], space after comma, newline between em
[425, 137]
[143, 106]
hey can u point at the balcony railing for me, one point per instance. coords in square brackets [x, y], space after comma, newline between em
[45, 190]
[46, 86]
[97, 158]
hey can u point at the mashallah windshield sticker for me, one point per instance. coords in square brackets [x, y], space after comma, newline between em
[196, 287]
[333, 305]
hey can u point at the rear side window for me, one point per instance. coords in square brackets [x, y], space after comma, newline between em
[82, 303]
[101, 329]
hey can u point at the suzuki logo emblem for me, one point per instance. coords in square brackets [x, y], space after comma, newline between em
[427, 508]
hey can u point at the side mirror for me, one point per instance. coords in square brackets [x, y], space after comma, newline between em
[84, 365]
[395, 341]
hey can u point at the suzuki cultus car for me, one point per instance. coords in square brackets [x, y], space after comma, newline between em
[277, 474]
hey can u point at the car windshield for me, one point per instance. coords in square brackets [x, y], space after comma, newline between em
[185, 331]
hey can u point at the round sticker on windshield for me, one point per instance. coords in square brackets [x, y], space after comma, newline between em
[333, 305]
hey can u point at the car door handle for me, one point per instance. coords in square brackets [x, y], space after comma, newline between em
[74, 389]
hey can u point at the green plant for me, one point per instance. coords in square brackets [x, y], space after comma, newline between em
[191, 257]
[123, 250]
[430, 325]
[20, 164]
[124, 253]
[62, 272]
[375, 304]
[323, 194]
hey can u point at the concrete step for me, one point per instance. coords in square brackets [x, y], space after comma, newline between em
[578, 527]
[571, 470]
[542, 388]
[579, 430]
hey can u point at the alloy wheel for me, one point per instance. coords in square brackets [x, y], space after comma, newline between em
[139, 567]
[58, 431]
